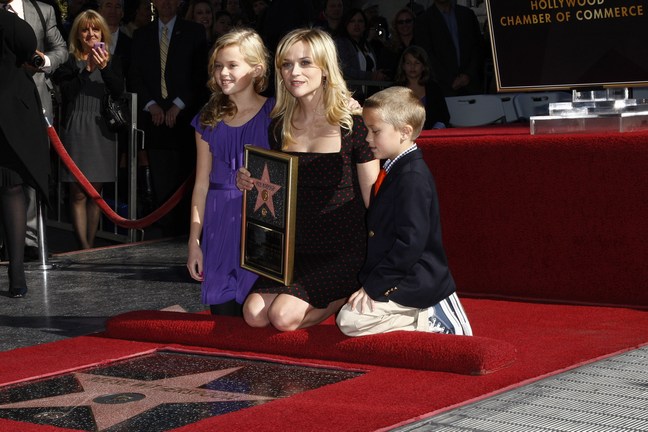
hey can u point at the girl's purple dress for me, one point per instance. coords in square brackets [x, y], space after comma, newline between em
[224, 279]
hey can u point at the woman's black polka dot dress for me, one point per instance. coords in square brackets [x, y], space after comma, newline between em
[330, 240]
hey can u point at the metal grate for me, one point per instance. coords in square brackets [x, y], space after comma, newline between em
[608, 395]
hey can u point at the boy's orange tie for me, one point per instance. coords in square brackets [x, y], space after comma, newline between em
[379, 180]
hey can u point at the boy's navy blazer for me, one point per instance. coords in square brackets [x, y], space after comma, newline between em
[405, 260]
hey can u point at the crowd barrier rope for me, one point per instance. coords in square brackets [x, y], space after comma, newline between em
[118, 220]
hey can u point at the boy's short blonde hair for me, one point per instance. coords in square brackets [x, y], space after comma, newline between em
[399, 107]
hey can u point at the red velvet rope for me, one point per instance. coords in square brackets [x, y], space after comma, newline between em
[105, 208]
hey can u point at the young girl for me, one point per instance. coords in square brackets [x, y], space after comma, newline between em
[235, 115]
[414, 73]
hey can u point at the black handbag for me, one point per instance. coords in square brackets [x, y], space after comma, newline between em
[116, 112]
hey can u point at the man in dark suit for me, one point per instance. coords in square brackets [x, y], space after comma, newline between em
[51, 46]
[24, 155]
[406, 282]
[451, 36]
[170, 92]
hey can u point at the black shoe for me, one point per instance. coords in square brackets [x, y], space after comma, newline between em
[18, 292]
[17, 283]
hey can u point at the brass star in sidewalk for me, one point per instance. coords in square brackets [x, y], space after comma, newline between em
[114, 400]
[266, 191]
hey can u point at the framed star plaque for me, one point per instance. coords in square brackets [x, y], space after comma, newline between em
[268, 222]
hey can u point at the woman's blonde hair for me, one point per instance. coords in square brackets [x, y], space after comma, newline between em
[189, 16]
[88, 18]
[336, 96]
[255, 54]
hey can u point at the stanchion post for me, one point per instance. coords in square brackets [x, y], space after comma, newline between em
[43, 252]
[132, 166]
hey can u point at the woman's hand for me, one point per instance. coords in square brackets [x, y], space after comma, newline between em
[244, 179]
[361, 301]
[354, 106]
[98, 58]
[195, 261]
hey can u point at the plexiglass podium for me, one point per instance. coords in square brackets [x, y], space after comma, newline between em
[604, 110]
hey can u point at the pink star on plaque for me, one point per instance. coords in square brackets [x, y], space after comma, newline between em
[266, 191]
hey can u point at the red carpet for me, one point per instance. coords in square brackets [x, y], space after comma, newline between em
[544, 217]
[547, 339]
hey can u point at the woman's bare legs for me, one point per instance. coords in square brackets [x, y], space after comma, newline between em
[94, 213]
[255, 309]
[85, 214]
[285, 312]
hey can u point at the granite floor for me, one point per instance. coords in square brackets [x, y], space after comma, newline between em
[82, 289]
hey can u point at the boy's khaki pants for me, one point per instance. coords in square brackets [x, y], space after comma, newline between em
[386, 317]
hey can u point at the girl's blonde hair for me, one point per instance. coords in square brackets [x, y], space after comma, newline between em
[398, 106]
[255, 54]
[88, 18]
[336, 96]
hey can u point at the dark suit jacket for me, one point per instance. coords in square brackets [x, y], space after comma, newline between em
[431, 33]
[186, 75]
[123, 50]
[404, 248]
[186, 71]
[50, 42]
[22, 124]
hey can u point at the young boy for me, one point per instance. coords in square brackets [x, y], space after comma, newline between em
[406, 283]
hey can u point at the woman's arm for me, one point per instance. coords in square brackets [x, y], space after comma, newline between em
[113, 77]
[198, 198]
[367, 174]
[70, 79]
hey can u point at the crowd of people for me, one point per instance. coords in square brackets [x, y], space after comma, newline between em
[212, 76]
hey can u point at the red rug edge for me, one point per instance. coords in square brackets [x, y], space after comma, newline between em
[411, 350]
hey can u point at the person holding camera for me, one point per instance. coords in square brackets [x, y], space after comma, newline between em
[51, 52]
[85, 79]
[24, 155]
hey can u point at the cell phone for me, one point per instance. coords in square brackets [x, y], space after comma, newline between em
[100, 45]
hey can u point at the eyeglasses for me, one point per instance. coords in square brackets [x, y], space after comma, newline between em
[405, 21]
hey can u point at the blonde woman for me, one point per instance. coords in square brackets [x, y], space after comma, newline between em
[84, 79]
[313, 120]
[202, 12]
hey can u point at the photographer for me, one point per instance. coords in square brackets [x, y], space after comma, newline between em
[24, 154]
[50, 53]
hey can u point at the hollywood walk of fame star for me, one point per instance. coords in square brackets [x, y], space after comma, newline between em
[266, 191]
[114, 400]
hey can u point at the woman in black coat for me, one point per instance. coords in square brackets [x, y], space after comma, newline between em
[24, 153]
